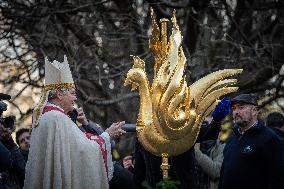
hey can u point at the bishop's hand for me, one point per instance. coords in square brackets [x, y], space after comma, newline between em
[115, 130]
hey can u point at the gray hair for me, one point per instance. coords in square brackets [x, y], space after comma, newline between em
[53, 92]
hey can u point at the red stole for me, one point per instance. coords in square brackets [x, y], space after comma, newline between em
[49, 108]
[100, 140]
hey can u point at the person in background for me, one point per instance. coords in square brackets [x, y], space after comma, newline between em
[23, 140]
[12, 163]
[251, 155]
[275, 120]
[209, 158]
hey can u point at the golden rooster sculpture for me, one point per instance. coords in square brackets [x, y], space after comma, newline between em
[170, 112]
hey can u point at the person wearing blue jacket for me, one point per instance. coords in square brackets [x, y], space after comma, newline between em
[252, 155]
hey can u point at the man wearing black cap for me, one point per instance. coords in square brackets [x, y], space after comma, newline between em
[251, 155]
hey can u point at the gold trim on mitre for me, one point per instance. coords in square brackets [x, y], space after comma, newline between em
[59, 86]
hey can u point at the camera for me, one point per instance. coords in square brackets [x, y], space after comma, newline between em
[7, 122]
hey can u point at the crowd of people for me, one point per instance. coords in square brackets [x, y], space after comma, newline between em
[64, 149]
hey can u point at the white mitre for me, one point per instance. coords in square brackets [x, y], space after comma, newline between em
[57, 76]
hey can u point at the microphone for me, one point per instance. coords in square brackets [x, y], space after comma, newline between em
[129, 127]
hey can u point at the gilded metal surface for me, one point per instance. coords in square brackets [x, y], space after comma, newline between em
[59, 86]
[165, 165]
[170, 111]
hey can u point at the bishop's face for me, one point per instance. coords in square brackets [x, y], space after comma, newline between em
[68, 99]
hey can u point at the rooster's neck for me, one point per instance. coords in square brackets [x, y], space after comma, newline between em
[145, 111]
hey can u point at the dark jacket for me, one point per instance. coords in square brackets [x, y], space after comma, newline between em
[182, 167]
[253, 160]
[93, 128]
[278, 132]
[5, 158]
[25, 155]
[14, 175]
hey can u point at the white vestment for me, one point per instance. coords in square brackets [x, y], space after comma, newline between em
[61, 157]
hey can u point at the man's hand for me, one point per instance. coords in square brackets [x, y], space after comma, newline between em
[81, 118]
[115, 130]
[127, 162]
[197, 147]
